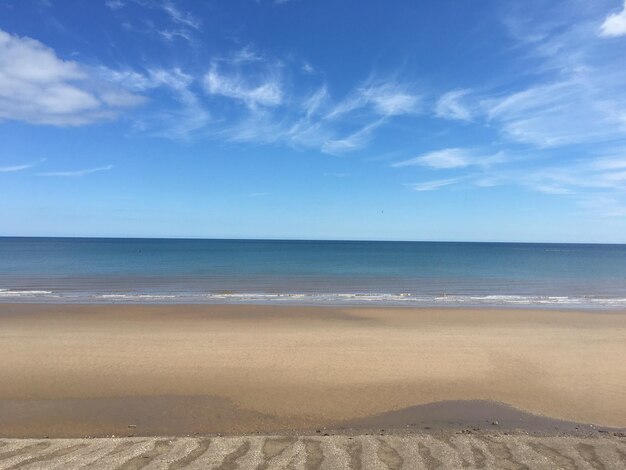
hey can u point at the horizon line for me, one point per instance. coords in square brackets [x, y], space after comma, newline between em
[344, 240]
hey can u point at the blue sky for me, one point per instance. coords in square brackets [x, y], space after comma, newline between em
[495, 120]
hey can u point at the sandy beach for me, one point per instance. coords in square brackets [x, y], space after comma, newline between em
[99, 370]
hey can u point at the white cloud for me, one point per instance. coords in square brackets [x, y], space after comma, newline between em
[181, 17]
[384, 99]
[433, 185]
[353, 141]
[21, 167]
[604, 205]
[38, 87]
[573, 91]
[581, 109]
[12, 168]
[610, 163]
[171, 34]
[451, 158]
[76, 173]
[449, 106]
[174, 78]
[114, 4]
[446, 158]
[187, 117]
[245, 55]
[389, 100]
[266, 93]
[614, 24]
[307, 68]
[314, 102]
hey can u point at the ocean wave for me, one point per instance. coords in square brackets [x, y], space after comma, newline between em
[25, 293]
[356, 298]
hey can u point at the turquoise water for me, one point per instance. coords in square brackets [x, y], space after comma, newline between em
[312, 272]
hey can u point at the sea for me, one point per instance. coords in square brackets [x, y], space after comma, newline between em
[117, 270]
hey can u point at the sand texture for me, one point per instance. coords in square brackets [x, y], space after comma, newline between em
[74, 370]
[458, 451]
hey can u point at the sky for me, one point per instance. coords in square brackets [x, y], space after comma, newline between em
[492, 120]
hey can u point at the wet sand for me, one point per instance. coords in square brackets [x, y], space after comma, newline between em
[93, 370]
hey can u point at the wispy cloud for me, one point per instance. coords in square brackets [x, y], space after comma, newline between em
[179, 16]
[307, 68]
[385, 98]
[452, 158]
[433, 185]
[449, 106]
[573, 91]
[114, 4]
[614, 24]
[316, 101]
[353, 141]
[577, 95]
[183, 120]
[244, 96]
[13, 168]
[174, 22]
[245, 55]
[266, 93]
[603, 205]
[581, 180]
[76, 173]
[172, 34]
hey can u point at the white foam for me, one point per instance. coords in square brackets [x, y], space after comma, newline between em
[23, 293]
[355, 298]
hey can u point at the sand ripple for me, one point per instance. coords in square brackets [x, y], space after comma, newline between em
[388, 452]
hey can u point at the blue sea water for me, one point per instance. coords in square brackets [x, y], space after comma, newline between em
[312, 272]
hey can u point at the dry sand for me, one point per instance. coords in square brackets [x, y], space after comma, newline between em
[395, 452]
[77, 370]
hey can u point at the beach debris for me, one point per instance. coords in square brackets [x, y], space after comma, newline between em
[132, 425]
[495, 423]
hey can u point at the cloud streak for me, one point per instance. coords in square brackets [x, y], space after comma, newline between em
[266, 93]
[179, 16]
[449, 106]
[76, 173]
[384, 98]
[433, 185]
[14, 168]
[451, 158]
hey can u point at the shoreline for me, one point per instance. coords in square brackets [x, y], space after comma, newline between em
[76, 370]
[296, 300]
